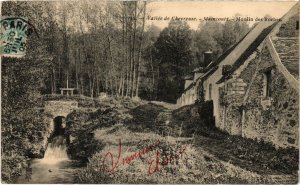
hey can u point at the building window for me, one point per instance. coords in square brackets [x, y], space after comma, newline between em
[267, 84]
[226, 69]
[297, 25]
[209, 91]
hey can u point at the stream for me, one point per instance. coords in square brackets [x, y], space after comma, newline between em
[55, 167]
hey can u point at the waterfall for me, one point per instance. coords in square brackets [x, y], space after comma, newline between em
[55, 167]
[56, 150]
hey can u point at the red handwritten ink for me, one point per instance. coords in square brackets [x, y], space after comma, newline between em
[126, 160]
[165, 161]
[113, 165]
[156, 164]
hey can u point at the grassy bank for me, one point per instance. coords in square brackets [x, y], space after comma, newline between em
[193, 166]
[190, 167]
[92, 115]
[210, 156]
[253, 155]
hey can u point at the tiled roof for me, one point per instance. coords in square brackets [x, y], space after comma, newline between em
[288, 51]
[251, 48]
[289, 57]
[213, 66]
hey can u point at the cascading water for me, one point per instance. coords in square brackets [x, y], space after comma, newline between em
[55, 167]
[56, 150]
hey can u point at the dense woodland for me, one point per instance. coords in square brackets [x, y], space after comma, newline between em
[109, 47]
[95, 47]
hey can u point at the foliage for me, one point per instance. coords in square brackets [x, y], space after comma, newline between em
[98, 47]
[95, 47]
[233, 32]
[178, 50]
[23, 124]
[217, 37]
[174, 56]
[106, 47]
[194, 166]
[253, 155]
[11, 167]
[144, 117]
[149, 68]
[82, 125]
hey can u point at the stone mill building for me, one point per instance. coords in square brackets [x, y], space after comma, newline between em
[254, 85]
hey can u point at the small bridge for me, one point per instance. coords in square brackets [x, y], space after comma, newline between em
[57, 112]
[60, 108]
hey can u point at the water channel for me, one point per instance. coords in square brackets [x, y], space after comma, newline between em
[55, 167]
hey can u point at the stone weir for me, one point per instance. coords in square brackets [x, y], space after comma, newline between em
[56, 113]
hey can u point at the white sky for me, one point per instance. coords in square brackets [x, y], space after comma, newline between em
[200, 9]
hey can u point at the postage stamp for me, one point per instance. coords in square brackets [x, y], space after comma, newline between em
[14, 32]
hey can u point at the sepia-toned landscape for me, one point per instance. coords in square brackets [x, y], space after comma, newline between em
[149, 92]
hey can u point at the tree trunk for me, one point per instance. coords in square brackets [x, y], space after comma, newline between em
[127, 56]
[76, 68]
[81, 84]
[123, 85]
[133, 50]
[153, 74]
[140, 51]
[131, 62]
[54, 81]
[124, 50]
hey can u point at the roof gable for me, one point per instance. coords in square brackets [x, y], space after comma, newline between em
[243, 57]
[244, 46]
[292, 63]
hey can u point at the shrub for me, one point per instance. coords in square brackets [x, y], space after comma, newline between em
[11, 167]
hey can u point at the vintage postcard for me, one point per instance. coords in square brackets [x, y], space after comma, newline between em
[149, 92]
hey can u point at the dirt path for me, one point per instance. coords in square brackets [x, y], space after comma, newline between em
[248, 154]
[211, 156]
[256, 158]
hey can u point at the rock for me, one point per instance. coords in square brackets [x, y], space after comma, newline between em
[36, 152]
[102, 96]
[136, 98]
[72, 139]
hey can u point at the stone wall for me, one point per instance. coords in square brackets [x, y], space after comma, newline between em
[60, 108]
[38, 149]
[51, 110]
[256, 114]
[288, 51]
[288, 29]
[231, 113]
[273, 119]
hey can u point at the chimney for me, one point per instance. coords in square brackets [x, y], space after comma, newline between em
[207, 58]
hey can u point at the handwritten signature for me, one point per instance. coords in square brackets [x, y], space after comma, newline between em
[165, 160]
[153, 167]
